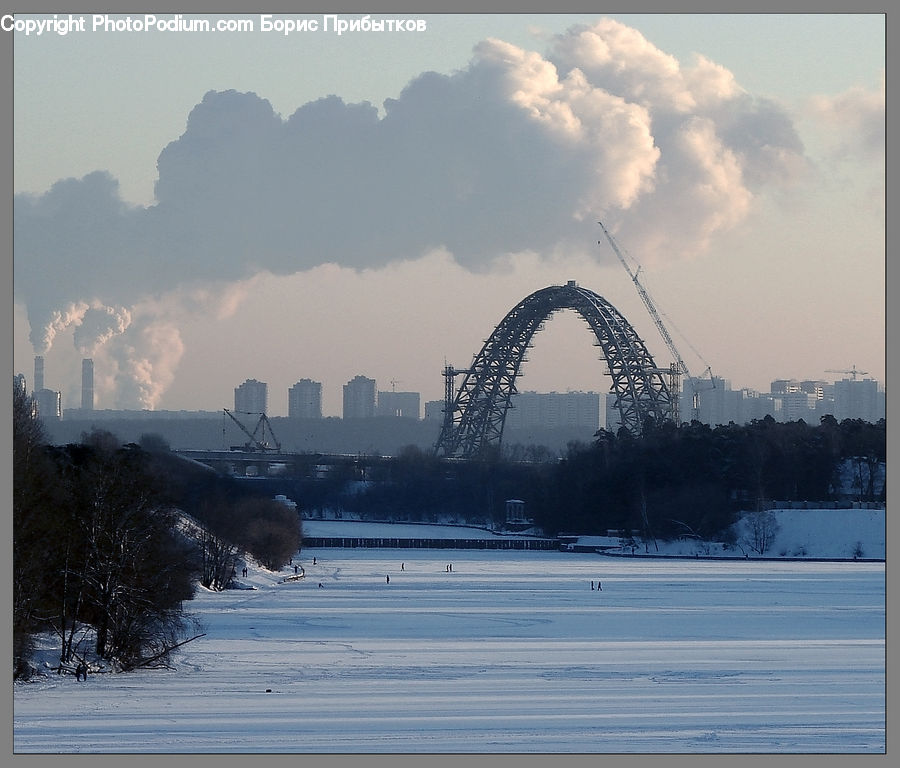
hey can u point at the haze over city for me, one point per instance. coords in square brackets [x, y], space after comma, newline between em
[195, 210]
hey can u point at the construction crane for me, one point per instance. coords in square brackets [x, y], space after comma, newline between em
[679, 368]
[255, 443]
[853, 372]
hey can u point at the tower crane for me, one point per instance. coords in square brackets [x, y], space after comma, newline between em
[853, 372]
[679, 367]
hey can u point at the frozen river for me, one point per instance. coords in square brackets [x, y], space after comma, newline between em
[507, 652]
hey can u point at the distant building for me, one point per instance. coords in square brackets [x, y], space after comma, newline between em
[795, 400]
[359, 398]
[787, 400]
[251, 396]
[404, 404]
[434, 410]
[718, 402]
[305, 400]
[87, 384]
[784, 386]
[47, 404]
[555, 409]
[20, 384]
[858, 399]
[798, 405]
[815, 387]
[754, 406]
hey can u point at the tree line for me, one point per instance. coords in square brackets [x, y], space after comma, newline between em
[694, 479]
[687, 480]
[110, 540]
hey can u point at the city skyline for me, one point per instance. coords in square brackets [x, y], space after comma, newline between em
[719, 401]
[753, 203]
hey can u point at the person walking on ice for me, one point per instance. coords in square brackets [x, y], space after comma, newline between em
[387, 579]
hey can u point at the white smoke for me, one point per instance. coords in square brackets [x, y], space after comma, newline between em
[59, 321]
[98, 325]
[145, 363]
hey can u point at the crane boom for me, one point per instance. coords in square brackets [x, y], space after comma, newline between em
[853, 372]
[255, 443]
[680, 366]
[648, 303]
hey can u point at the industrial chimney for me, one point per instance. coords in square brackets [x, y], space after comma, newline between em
[38, 373]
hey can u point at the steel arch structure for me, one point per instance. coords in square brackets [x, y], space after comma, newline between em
[474, 421]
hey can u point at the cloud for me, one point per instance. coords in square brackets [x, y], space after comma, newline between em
[718, 146]
[512, 154]
[856, 122]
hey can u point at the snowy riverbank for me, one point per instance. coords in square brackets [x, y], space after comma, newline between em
[806, 534]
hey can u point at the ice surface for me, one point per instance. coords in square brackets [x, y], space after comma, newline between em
[509, 652]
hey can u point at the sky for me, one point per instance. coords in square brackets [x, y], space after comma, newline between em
[193, 210]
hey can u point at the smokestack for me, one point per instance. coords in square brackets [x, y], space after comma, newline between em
[87, 384]
[38, 372]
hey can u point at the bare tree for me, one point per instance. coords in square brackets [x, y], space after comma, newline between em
[218, 560]
[763, 527]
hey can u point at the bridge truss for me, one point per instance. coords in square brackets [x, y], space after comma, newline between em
[473, 421]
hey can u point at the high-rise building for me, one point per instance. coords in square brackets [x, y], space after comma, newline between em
[305, 400]
[613, 415]
[717, 401]
[784, 386]
[797, 405]
[555, 409]
[251, 396]
[814, 387]
[858, 399]
[87, 384]
[404, 404]
[359, 398]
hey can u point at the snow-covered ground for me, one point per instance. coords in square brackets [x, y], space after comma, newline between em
[505, 652]
[846, 534]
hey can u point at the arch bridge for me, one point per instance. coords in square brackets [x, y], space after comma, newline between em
[475, 415]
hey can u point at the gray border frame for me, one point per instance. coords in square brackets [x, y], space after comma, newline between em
[359, 7]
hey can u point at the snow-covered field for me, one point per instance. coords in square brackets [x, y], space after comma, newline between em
[507, 652]
[846, 534]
